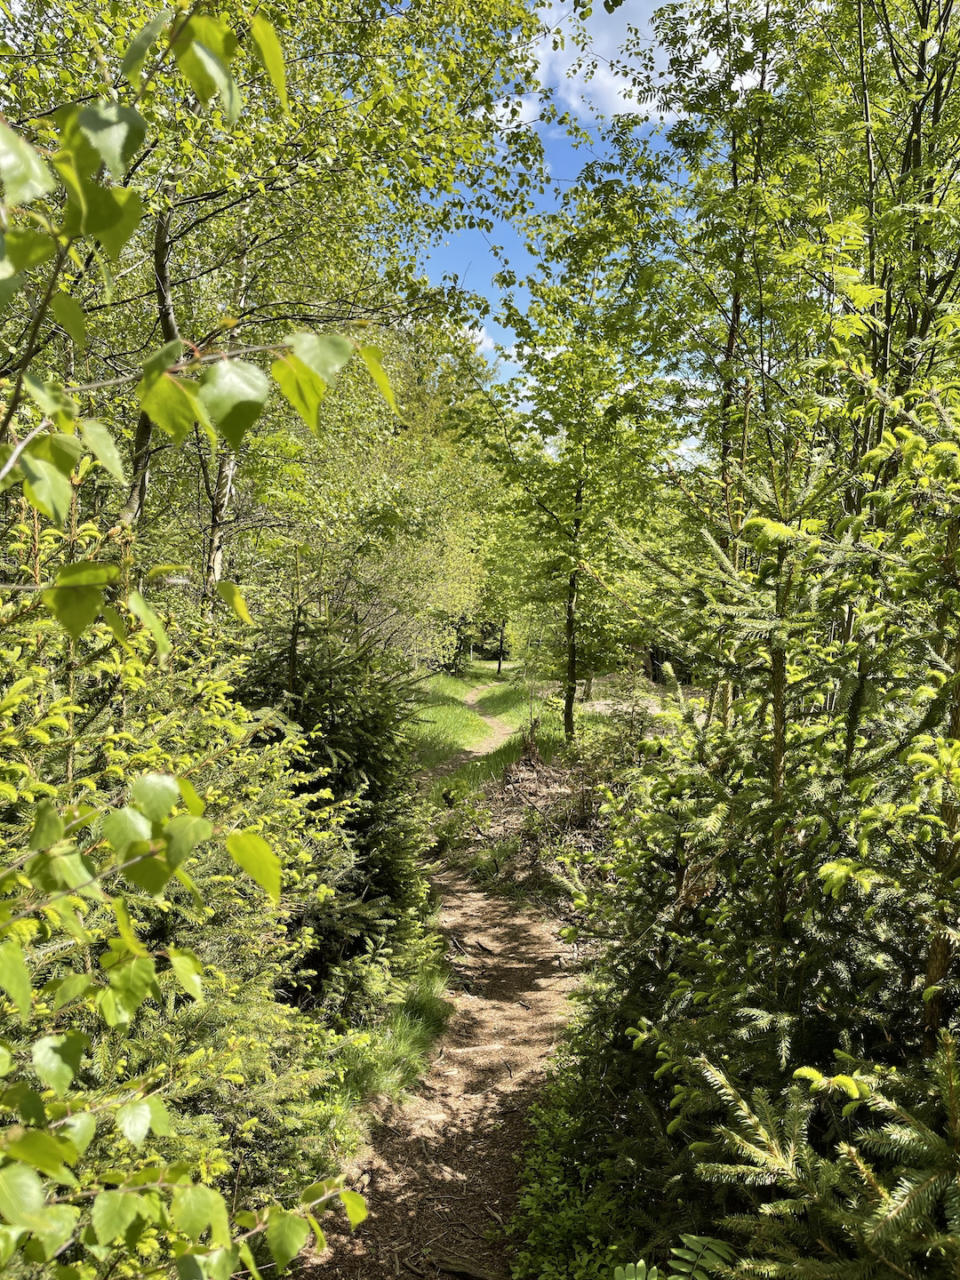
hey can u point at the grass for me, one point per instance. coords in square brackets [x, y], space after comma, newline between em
[443, 724]
[511, 703]
[396, 1053]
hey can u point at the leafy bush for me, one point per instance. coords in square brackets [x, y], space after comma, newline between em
[772, 890]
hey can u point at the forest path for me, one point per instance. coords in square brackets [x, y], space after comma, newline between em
[499, 732]
[440, 1178]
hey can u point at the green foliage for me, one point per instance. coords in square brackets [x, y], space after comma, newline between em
[212, 938]
[444, 725]
[772, 886]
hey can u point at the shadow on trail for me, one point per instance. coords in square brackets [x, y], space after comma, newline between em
[442, 1176]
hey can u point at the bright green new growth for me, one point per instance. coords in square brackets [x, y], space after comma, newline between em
[212, 937]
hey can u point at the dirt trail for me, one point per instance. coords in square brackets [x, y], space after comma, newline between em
[499, 732]
[440, 1178]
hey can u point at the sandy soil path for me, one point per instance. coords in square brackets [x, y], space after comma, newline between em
[440, 1178]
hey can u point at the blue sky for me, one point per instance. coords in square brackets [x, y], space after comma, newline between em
[469, 253]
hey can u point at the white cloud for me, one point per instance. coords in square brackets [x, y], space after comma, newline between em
[482, 340]
[604, 91]
[518, 111]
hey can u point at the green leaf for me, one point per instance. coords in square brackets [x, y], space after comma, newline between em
[355, 1206]
[111, 214]
[188, 972]
[41, 1150]
[126, 928]
[9, 1238]
[25, 248]
[140, 609]
[252, 854]
[10, 286]
[52, 400]
[70, 988]
[133, 979]
[301, 387]
[215, 34]
[113, 1213]
[14, 977]
[172, 402]
[183, 833]
[195, 1208]
[23, 173]
[46, 488]
[141, 44]
[162, 359]
[245, 1255]
[75, 608]
[125, 827]
[58, 1225]
[211, 1264]
[133, 1121]
[81, 1128]
[101, 444]
[116, 624]
[233, 393]
[208, 76]
[159, 1116]
[230, 592]
[287, 1233]
[115, 131]
[87, 573]
[149, 871]
[69, 316]
[373, 359]
[155, 794]
[22, 1202]
[190, 798]
[47, 827]
[56, 1059]
[324, 353]
[271, 55]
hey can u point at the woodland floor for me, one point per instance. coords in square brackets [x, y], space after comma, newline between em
[439, 1176]
[498, 732]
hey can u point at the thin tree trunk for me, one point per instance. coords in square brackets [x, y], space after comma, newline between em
[143, 438]
[570, 686]
[503, 630]
[220, 503]
[133, 507]
[221, 492]
[571, 628]
[941, 951]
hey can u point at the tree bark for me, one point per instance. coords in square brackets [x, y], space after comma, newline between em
[570, 685]
[219, 505]
[142, 442]
[221, 492]
[571, 627]
[940, 952]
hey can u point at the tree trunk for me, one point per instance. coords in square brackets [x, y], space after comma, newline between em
[570, 686]
[503, 630]
[132, 509]
[142, 441]
[941, 951]
[571, 628]
[220, 492]
[219, 505]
